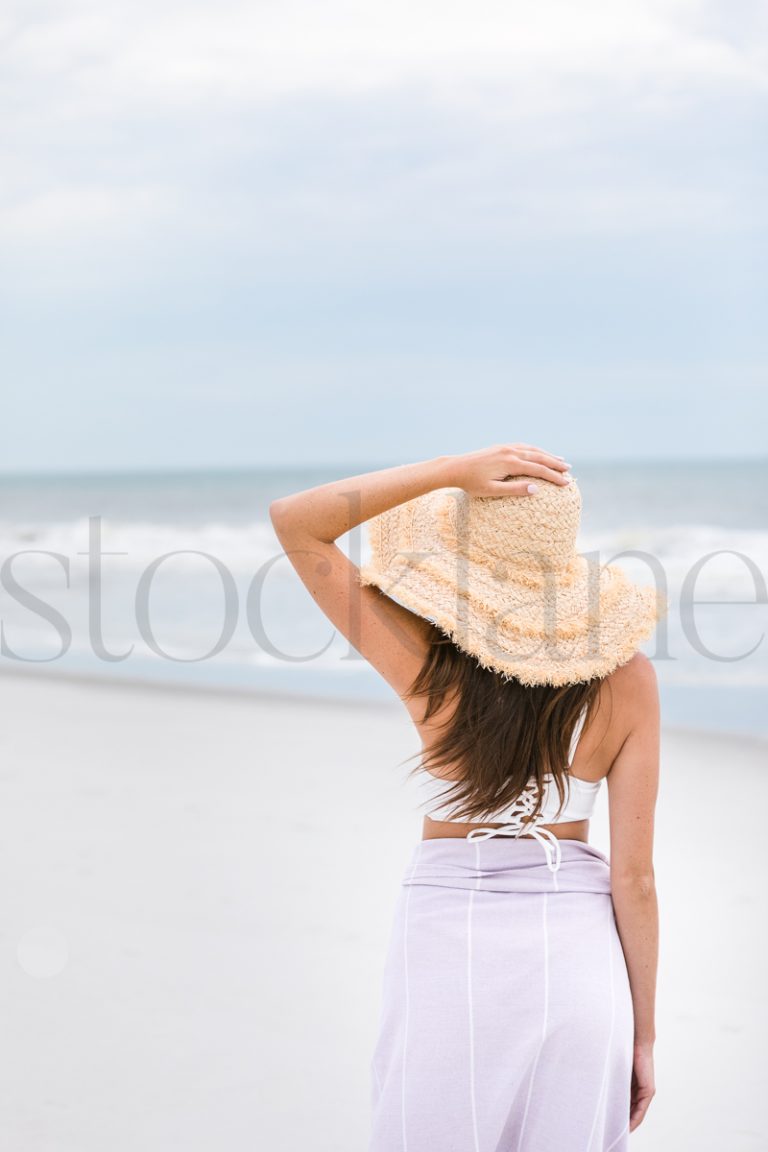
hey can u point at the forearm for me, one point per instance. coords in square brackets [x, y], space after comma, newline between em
[637, 921]
[329, 510]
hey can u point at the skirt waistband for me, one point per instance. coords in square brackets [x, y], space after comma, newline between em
[507, 865]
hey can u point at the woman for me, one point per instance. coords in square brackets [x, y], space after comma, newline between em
[519, 985]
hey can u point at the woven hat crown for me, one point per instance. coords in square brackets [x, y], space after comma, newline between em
[515, 531]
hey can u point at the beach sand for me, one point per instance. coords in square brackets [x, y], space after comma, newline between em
[196, 898]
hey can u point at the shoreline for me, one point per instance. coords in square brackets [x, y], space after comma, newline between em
[179, 687]
[281, 697]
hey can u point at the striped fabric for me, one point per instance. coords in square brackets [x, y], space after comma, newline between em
[506, 1019]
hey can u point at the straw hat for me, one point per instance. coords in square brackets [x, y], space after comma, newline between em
[502, 578]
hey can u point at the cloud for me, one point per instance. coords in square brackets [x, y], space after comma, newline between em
[236, 52]
[198, 118]
[198, 194]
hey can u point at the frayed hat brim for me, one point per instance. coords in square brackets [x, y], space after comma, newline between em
[564, 624]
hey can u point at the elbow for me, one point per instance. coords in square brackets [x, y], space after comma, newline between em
[634, 886]
[277, 511]
[280, 519]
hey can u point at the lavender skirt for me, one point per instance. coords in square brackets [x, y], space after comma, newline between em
[506, 1022]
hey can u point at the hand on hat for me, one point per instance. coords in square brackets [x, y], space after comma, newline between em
[508, 470]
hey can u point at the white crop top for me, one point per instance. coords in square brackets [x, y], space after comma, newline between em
[581, 796]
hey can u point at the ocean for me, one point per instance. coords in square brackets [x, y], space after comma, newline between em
[192, 587]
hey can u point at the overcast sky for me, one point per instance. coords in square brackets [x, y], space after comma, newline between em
[282, 232]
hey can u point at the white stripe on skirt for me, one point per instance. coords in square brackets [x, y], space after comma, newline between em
[407, 990]
[471, 1012]
[610, 1035]
[544, 1025]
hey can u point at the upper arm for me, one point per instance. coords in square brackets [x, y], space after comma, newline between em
[392, 639]
[633, 779]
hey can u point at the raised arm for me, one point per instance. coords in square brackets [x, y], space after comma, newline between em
[392, 639]
[326, 512]
[307, 523]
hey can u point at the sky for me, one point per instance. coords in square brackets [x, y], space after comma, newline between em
[274, 232]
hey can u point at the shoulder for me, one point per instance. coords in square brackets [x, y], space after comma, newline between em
[635, 683]
[635, 710]
[633, 779]
[630, 695]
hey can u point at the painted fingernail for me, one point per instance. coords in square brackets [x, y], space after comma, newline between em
[533, 487]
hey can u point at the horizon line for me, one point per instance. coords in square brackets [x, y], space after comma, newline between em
[348, 467]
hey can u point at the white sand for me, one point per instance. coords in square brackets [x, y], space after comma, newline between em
[195, 904]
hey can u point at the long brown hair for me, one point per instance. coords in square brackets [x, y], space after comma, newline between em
[501, 733]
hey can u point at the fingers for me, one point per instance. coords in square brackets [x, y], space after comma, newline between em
[537, 468]
[549, 457]
[637, 1115]
[513, 488]
[638, 1109]
[546, 465]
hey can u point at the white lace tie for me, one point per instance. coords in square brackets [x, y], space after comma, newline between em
[524, 806]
